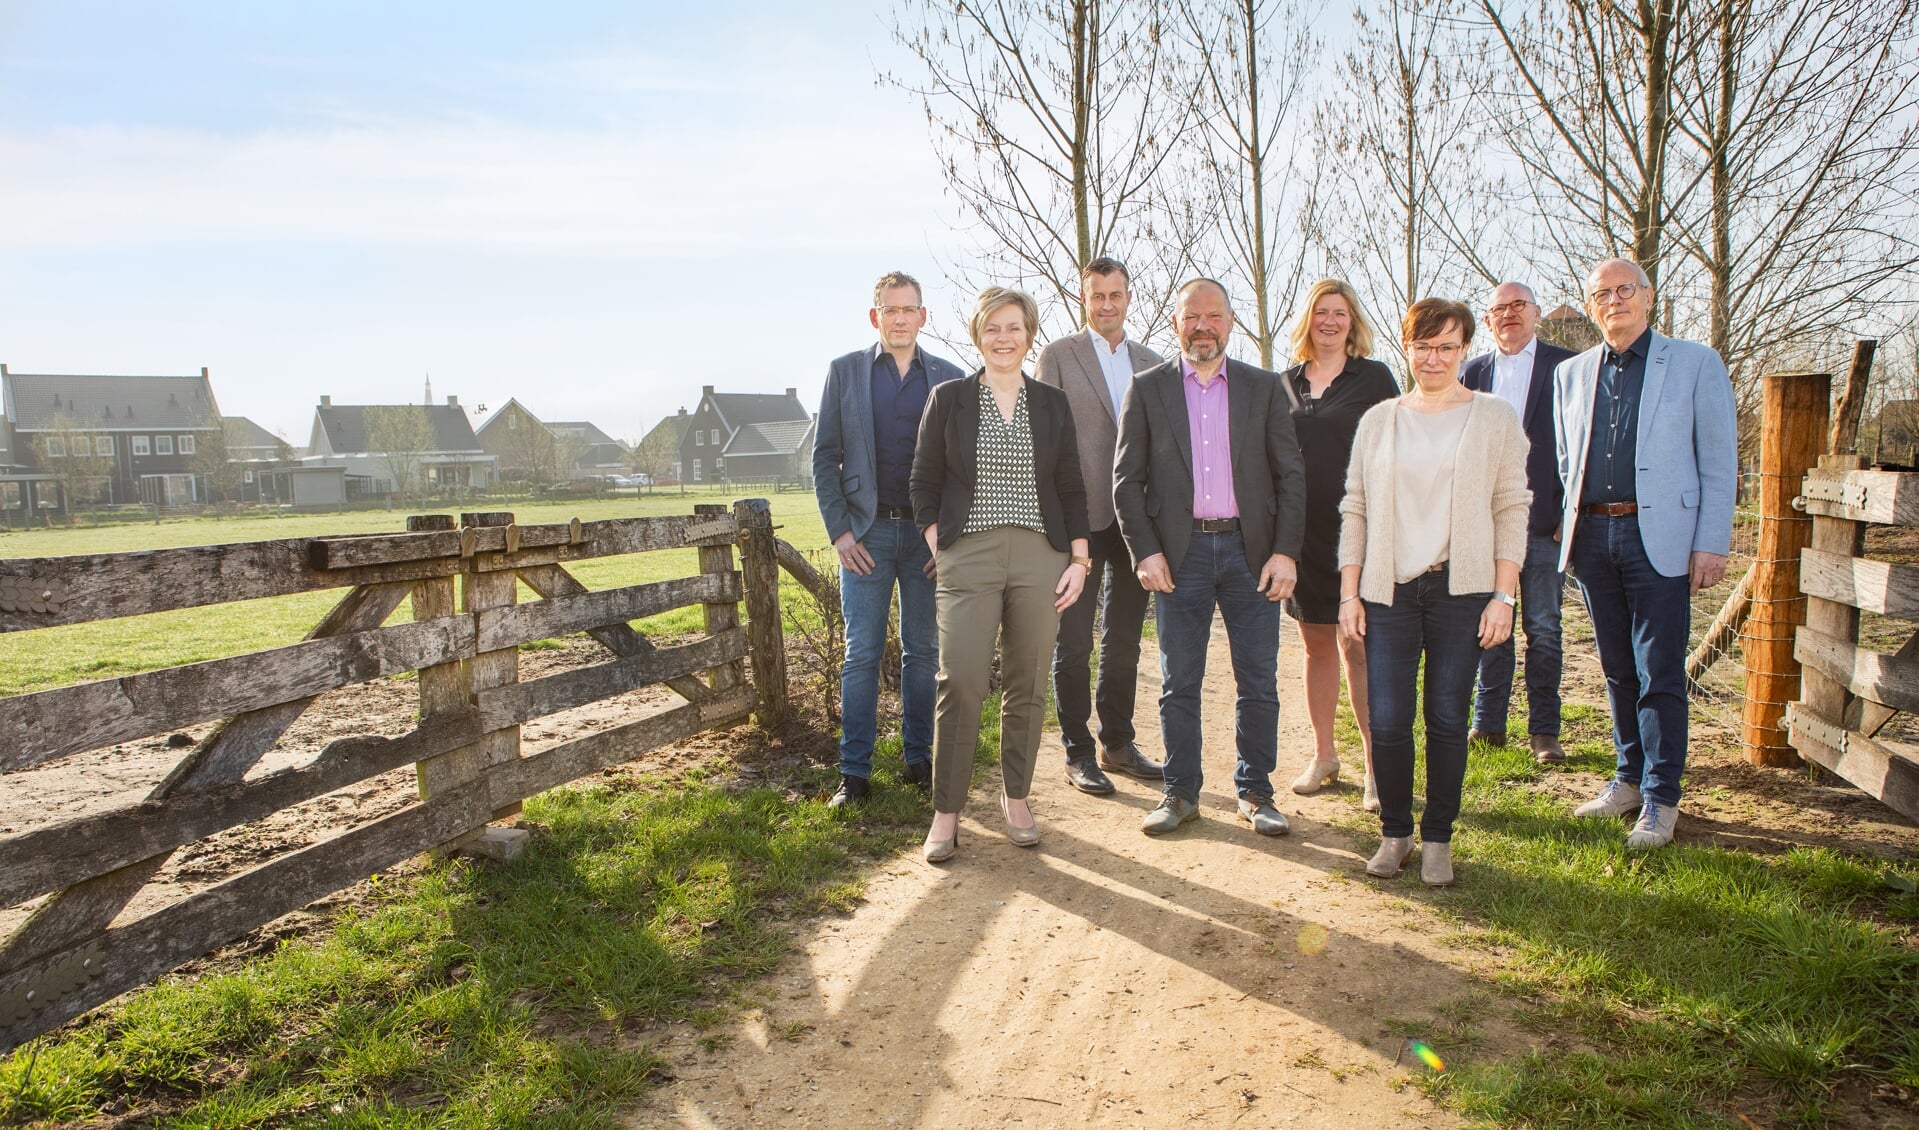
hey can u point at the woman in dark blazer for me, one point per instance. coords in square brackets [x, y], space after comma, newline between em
[1331, 387]
[997, 492]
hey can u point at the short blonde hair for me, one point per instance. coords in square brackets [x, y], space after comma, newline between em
[995, 298]
[1359, 343]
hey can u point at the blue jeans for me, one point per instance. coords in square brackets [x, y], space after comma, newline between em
[1423, 621]
[899, 557]
[1215, 574]
[1541, 588]
[1641, 622]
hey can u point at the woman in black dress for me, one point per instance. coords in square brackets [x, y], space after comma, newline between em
[1331, 387]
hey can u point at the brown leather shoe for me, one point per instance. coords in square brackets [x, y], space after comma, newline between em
[1129, 760]
[1496, 739]
[1547, 750]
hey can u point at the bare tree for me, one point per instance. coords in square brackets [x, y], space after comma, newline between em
[1409, 205]
[211, 461]
[1586, 90]
[1253, 58]
[400, 435]
[529, 448]
[1799, 138]
[72, 453]
[655, 455]
[1053, 120]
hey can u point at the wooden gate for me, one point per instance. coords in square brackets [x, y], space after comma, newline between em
[70, 954]
[1848, 694]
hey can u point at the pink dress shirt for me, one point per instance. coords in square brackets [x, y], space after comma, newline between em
[1207, 415]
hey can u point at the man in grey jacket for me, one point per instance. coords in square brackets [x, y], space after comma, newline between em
[862, 457]
[1094, 367]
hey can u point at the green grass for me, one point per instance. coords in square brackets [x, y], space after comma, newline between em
[1680, 985]
[54, 657]
[483, 996]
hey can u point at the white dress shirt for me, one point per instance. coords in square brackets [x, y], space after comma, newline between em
[1116, 364]
[1513, 376]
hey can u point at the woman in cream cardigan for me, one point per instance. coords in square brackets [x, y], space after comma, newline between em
[1433, 530]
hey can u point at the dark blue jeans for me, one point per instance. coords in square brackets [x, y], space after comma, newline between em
[1424, 621]
[1122, 612]
[1641, 621]
[1213, 575]
[1541, 588]
[899, 558]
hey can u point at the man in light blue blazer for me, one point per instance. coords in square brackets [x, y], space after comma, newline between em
[862, 457]
[1649, 455]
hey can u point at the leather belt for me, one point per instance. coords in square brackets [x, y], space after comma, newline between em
[1439, 568]
[898, 513]
[1216, 525]
[1610, 509]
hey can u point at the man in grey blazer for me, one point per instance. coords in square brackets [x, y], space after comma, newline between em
[1211, 495]
[1648, 452]
[862, 459]
[1094, 368]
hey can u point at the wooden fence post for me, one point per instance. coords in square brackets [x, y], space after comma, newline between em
[766, 638]
[443, 687]
[1792, 435]
[726, 614]
[496, 588]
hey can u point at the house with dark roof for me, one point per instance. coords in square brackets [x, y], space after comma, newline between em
[394, 448]
[659, 450]
[533, 450]
[720, 416]
[102, 439]
[781, 451]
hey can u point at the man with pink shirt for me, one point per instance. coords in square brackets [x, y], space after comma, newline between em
[1210, 492]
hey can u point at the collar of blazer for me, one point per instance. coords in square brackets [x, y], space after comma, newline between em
[1169, 383]
[1090, 368]
[1583, 395]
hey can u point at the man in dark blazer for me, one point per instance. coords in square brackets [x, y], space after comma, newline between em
[1094, 368]
[1520, 372]
[862, 461]
[1211, 496]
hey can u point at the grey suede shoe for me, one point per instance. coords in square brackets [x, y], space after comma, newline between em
[1390, 857]
[1171, 813]
[1265, 819]
[1436, 864]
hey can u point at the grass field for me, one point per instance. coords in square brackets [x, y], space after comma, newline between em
[52, 657]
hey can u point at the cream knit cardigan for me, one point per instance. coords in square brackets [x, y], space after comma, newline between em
[1489, 502]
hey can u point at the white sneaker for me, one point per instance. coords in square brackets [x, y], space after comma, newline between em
[1655, 826]
[1615, 801]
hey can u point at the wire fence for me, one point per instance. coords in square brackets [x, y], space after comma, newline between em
[1718, 694]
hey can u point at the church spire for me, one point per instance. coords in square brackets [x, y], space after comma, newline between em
[429, 391]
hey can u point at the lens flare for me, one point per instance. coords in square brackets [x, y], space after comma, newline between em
[1312, 939]
[1428, 1056]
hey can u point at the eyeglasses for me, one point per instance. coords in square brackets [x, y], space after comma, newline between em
[1621, 293]
[1516, 306]
[891, 311]
[1427, 349]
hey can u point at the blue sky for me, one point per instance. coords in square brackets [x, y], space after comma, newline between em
[595, 207]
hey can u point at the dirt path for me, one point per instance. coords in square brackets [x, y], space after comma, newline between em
[1105, 979]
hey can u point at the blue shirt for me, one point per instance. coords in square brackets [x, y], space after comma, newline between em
[1611, 456]
[898, 402]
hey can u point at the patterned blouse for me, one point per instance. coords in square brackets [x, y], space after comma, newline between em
[1005, 492]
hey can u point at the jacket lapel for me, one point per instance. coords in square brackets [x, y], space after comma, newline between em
[1239, 414]
[860, 392]
[1579, 418]
[1658, 352]
[1172, 398]
[1540, 391]
[1478, 376]
[1088, 356]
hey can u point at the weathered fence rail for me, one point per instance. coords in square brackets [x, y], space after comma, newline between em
[72, 952]
[1848, 693]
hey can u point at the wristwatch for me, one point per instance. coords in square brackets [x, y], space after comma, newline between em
[1086, 561]
[1506, 598]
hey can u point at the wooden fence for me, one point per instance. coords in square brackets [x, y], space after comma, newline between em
[71, 954]
[1848, 693]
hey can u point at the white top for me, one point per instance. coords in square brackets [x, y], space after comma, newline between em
[1115, 363]
[1513, 376]
[1428, 445]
